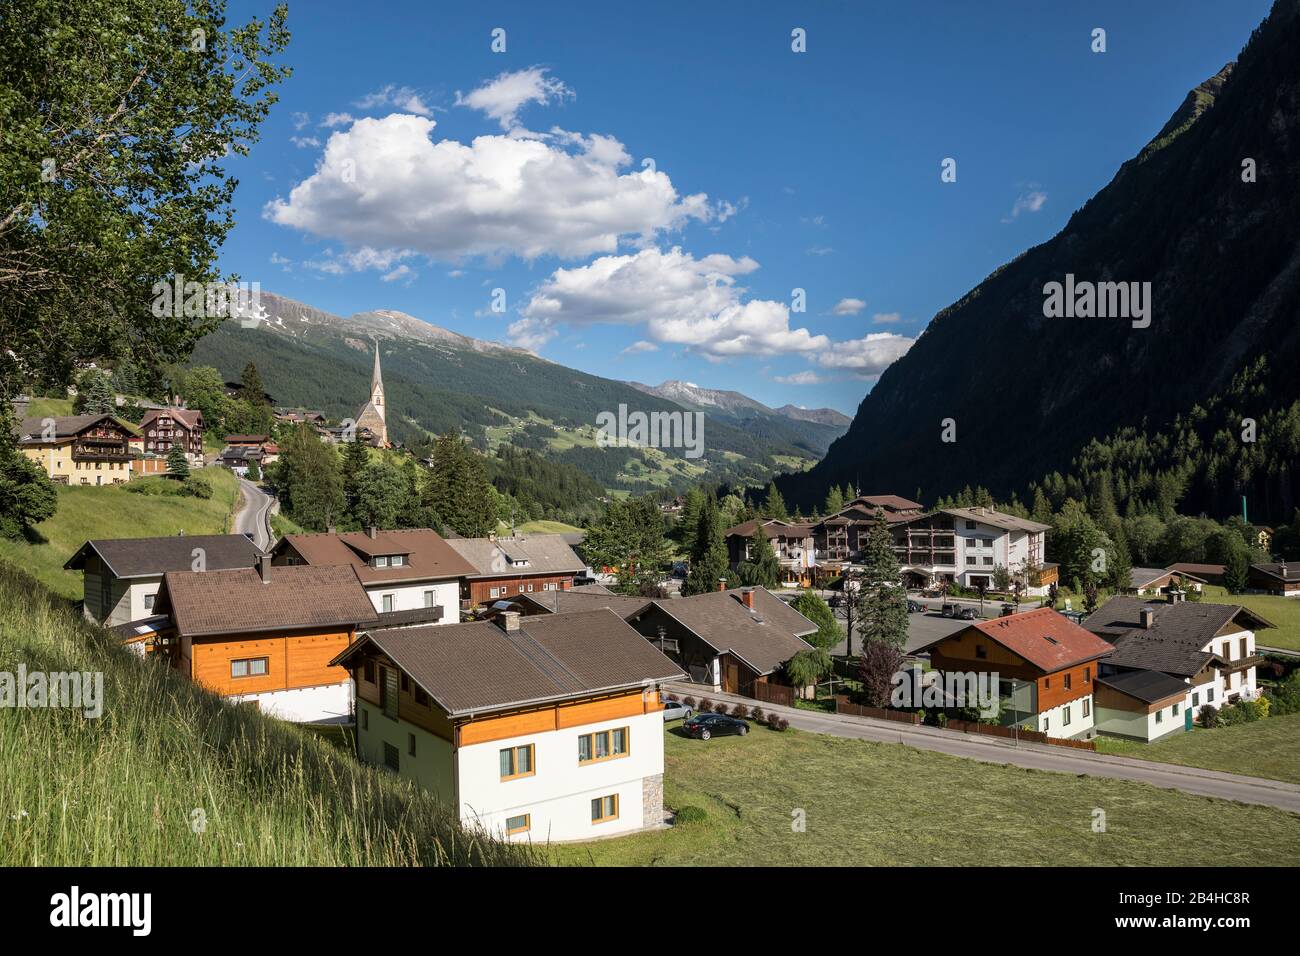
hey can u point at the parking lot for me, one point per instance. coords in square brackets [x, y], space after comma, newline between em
[924, 628]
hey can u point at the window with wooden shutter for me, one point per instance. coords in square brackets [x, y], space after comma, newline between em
[389, 692]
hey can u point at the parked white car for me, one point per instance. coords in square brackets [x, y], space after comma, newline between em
[676, 710]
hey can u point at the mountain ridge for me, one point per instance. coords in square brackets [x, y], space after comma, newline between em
[1222, 254]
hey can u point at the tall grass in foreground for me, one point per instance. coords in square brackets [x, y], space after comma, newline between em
[123, 790]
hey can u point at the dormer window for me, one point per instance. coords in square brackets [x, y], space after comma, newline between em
[381, 561]
[397, 560]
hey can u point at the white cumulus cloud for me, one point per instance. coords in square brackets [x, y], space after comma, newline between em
[679, 300]
[868, 356]
[848, 307]
[502, 98]
[384, 183]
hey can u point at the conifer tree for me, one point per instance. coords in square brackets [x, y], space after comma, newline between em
[882, 601]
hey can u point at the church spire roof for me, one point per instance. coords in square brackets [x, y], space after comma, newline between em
[376, 380]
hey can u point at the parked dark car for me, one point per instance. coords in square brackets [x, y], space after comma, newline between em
[915, 607]
[705, 726]
[967, 614]
[949, 610]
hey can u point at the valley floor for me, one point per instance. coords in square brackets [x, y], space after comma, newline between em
[874, 804]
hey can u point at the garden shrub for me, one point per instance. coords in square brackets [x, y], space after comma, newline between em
[1209, 715]
[706, 705]
[757, 714]
[740, 710]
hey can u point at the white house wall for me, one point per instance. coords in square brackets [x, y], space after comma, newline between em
[433, 763]
[408, 597]
[306, 705]
[558, 795]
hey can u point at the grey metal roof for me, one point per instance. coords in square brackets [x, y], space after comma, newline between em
[149, 557]
[480, 666]
[1146, 686]
[496, 557]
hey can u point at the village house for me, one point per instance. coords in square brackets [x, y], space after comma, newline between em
[411, 575]
[503, 567]
[241, 458]
[266, 636]
[1277, 579]
[1209, 573]
[544, 729]
[966, 546]
[78, 449]
[1144, 581]
[793, 543]
[1208, 648]
[734, 641]
[840, 538]
[161, 428]
[121, 576]
[1046, 666]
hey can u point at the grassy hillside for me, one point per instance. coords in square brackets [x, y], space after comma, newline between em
[113, 512]
[130, 787]
[877, 804]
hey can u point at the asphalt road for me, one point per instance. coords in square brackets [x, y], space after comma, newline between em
[1206, 783]
[254, 516]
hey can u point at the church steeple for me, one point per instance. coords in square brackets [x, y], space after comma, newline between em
[377, 384]
[373, 415]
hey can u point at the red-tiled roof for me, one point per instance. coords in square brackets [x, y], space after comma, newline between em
[1046, 639]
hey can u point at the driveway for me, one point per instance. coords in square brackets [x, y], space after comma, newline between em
[254, 515]
[1206, 783]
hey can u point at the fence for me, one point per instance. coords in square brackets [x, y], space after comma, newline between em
[773, 693]
[842, 706]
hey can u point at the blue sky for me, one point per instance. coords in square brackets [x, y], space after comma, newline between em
[407, 166]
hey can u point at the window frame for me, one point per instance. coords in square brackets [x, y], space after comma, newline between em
[600, 802]
[249, 661]
[528, 824]
[610, 754]
[514, 762]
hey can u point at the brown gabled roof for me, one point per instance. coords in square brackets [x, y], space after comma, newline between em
[889, 502]
[772, 527]
[146, 557]
[765, 637]
[1046, 639]
[191, 418]
[206, 603]
[1200, 570]
[33, 430]
[1150, 687]
[428, 556]
[479, 667]
[997, 519]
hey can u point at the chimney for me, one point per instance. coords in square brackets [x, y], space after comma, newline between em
[372, 531]
[264, 567]
[1148, 617]
[508, 620]
[566, 583]
[1282, 570]
[747, 596]
[722, 584]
